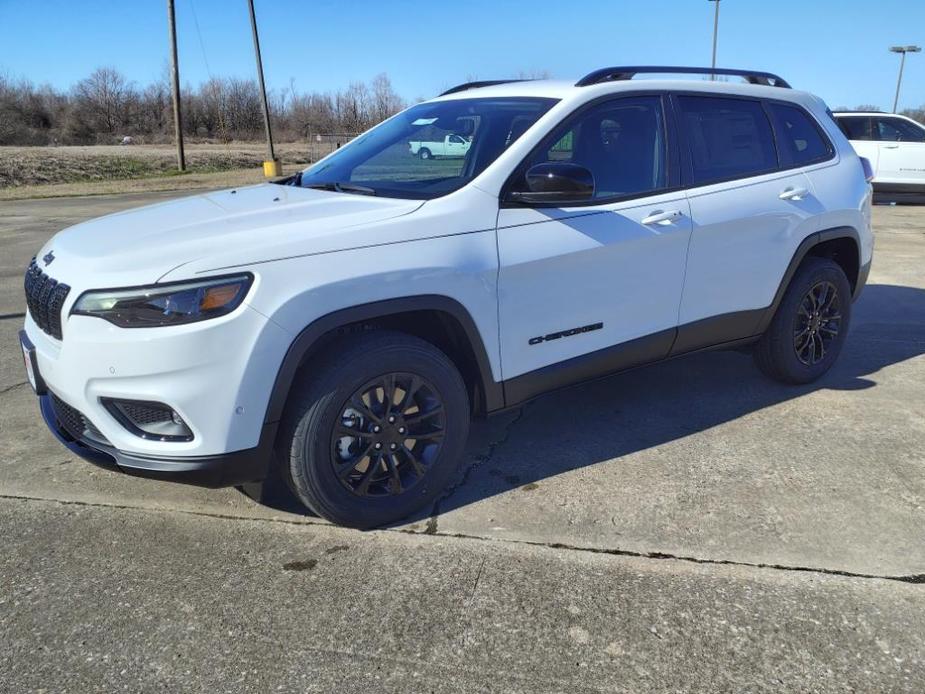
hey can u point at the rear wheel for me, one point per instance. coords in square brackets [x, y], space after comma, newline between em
[810, 325]
[376, 429]
[425, 154]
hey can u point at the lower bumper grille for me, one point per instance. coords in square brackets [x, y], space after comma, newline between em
[75, 423]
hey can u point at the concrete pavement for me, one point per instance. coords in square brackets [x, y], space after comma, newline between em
[776, 532]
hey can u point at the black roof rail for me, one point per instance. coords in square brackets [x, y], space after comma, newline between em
[612, 74]
[465, 86]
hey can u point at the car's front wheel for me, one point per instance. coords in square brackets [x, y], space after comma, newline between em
[375, 429]
[809, 328]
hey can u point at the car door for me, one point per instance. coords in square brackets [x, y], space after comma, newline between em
[748, 217]
[902, 150]
[604, 277]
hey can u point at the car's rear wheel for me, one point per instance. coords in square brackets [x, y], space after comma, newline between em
[375, 430]
[810, 325]
[425, 154]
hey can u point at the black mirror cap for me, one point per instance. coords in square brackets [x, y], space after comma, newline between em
[557, 182]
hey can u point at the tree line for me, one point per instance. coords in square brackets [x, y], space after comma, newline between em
[105, 107]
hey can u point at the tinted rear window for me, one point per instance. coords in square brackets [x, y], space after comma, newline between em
[855, 127]
[799, 140]
[729, 138]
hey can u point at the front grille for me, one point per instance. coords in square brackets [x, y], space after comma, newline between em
[74, 422]
[45, 297]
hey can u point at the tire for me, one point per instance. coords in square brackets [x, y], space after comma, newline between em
[312, 451]
[425, 154]
[809, 328]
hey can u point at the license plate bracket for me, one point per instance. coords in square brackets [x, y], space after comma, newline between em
[31, 364]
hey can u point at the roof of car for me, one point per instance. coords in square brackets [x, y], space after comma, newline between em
[567, 90]
[865, 113]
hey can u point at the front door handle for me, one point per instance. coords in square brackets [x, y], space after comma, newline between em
[663, 218]
[792, 193]
[890, 146]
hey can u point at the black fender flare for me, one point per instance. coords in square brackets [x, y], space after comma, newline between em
[304, 342]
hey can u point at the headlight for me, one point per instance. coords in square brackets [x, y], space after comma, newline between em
[165, 304]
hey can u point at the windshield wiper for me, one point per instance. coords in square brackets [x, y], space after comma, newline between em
[344, 188]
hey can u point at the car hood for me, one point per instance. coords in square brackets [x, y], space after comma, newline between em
[260, 222]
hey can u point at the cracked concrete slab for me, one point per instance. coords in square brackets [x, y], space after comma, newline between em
[192, 603]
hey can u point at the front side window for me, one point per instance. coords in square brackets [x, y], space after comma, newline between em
[799, 140]
[898, 130]
[621, 142]
[728, 138]
[428, 150]
[855, 127]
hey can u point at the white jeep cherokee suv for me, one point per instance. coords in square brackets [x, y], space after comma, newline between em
[339, 327]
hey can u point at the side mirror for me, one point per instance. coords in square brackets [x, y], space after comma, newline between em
[556, 183]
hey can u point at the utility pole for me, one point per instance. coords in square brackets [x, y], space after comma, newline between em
[715, 34]
[902, 63]
[271, 166]
[175, 79]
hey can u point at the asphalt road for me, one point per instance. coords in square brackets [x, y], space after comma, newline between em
[691, 526]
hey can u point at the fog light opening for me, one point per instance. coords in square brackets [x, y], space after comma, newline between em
[149, 420]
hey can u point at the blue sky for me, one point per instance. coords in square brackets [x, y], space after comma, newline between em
[835, 48]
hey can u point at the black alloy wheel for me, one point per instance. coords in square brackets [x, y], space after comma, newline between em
[390, 432]
[817, 323]
[809, 327]
[374, 428]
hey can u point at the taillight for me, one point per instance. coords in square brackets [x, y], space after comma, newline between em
[868, 169]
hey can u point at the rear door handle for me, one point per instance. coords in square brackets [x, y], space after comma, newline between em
[890, 146]
[793, 193]
[663, 218]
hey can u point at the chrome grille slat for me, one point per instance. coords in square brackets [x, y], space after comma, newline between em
[45, 298]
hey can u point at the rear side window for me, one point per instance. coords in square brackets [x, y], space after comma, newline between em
[855, 127]
[799, 141]
[898, 130]
[728, 138]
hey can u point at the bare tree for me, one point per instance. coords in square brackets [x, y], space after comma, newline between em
[386, 102]
[106, 98]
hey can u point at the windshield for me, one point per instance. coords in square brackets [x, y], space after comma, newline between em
[429, 150]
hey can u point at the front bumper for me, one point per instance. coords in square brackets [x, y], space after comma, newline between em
[224, 470]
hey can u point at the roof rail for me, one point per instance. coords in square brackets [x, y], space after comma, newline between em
[475, 85]
[611, 74]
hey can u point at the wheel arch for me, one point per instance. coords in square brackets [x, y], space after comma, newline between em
[440, 320]
[841, 244]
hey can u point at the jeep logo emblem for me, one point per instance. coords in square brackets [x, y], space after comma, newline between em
[48, 257]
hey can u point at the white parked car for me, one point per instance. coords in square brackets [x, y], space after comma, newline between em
[452, 145]
[895, 146]
[339, 327]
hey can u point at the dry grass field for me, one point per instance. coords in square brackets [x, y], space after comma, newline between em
[29, 172]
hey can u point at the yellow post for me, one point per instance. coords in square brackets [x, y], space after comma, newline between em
[272, 168]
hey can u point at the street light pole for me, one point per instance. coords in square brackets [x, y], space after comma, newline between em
[902, 63]
[271, 166]
[715, 34]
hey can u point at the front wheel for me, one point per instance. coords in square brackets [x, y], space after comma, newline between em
[375, 430]
[810, 325]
